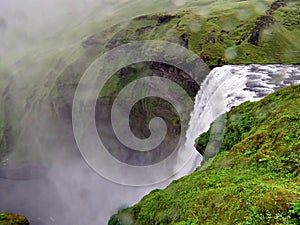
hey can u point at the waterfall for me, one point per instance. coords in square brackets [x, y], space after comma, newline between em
[234, 84]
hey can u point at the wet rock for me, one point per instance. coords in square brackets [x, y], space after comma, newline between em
[142, 30]
[265, 21]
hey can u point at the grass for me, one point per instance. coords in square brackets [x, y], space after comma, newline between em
[220, 34]
[253, 180]
[11, 219]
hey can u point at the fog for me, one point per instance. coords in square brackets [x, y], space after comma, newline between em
[44, 176]
[31, 23]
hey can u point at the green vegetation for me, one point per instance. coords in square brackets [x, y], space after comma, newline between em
[253, 180]
[220, 32]
[225, 32]
[11, 219]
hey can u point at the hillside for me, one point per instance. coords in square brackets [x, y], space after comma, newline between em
[253, 180]
[220, 32]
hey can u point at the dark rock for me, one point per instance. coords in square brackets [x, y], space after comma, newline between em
[265, 21]
[261, 24]
[164, 19]
[142, 30]
[185, 39]
[276, 5]
[143, 17]
[160, 18]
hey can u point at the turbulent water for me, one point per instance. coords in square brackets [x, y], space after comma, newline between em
[74, 194]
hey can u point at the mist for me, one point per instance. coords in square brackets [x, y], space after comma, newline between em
[43, 175]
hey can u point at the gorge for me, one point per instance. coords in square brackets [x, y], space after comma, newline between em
[252, 50]
[53, 188]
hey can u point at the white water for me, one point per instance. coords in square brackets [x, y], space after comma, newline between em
[232, 85]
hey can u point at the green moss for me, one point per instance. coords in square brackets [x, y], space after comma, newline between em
[295, 212]
[253, 180]
[231, 32]
[12, 219]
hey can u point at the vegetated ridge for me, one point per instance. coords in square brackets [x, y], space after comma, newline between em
[254, 179]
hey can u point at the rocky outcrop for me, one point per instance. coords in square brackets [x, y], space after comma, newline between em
[160, 18]
[264, 22]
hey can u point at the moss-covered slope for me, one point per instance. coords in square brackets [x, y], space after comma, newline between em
[224, 32]
[253, 180]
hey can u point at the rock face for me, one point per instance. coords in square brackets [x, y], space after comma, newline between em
[265, 22]
[12, 219]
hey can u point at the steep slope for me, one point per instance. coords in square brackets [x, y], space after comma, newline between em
[253, 180]
[225, 32]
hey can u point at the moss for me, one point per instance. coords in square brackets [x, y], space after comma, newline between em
[263, 131]
[12, 219]
[253, 180]
[295, 212]
[234, 32]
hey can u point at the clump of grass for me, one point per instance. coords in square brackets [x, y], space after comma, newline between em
[12, 219]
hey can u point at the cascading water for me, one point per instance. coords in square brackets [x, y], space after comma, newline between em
[72, 194]
[236, 84]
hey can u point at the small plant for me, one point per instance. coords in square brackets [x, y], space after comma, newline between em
[295, 212]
